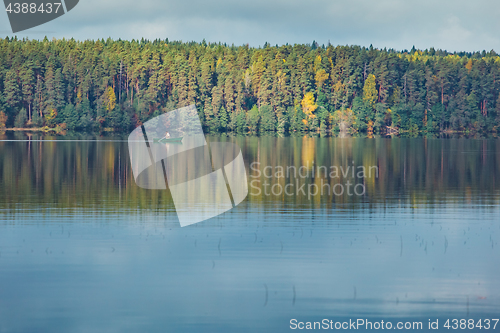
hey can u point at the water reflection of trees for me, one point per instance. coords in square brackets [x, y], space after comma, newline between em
[424, 170]
[97, 174]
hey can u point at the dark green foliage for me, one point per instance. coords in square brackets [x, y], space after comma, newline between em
[36, 120]
[21, 119]
[70, 116]
[253, 119]
[223, 119]
[362, 112]
[322, 116]
[296, 116]
[243, 89]
[240, 122]
[267, 119]
[211, 120]
[11, 90]
[83, 111]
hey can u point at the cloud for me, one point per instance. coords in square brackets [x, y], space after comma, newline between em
[456, 25]
[454, 32]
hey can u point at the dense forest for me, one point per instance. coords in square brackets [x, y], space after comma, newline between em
[109, 85]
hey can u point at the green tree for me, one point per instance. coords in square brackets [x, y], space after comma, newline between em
[223, 119]
[71, 117]
[36, 120]
[267, 119]
[21, 119]
[27, 85]
[11, 90]
[370, 94]
[253, 119]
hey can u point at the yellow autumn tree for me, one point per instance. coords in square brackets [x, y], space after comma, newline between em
[3, 119]
[321, 77]
[469, 65]
[110, 99]
[308, 107]
[79, 97]
[317, 63]
[370, 93]
[50, 117]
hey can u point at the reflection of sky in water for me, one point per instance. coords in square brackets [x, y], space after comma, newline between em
[146, 274]
[98, 268]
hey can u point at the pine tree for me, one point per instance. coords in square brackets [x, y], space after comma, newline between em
[11, 89]
[50, 100]
[241, 125]
[229, 93]
[71, 118]
[183, 83]
[223, 119]
[253, 119]
[60, 90]
[267, 119]
[21, 119]
[27, 79]
[370, 94]
[258, 69]
[109, 99]
[36, 120]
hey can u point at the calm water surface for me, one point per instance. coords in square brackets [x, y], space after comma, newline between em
[84, 249]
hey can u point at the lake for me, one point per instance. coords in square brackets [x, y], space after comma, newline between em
[84, 249]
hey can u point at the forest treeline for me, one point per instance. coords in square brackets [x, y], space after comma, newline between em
[117, 85]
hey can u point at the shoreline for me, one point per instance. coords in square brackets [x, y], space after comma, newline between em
[403, 134]
[33, 129]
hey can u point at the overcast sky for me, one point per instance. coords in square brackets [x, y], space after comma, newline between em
[454, 25]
